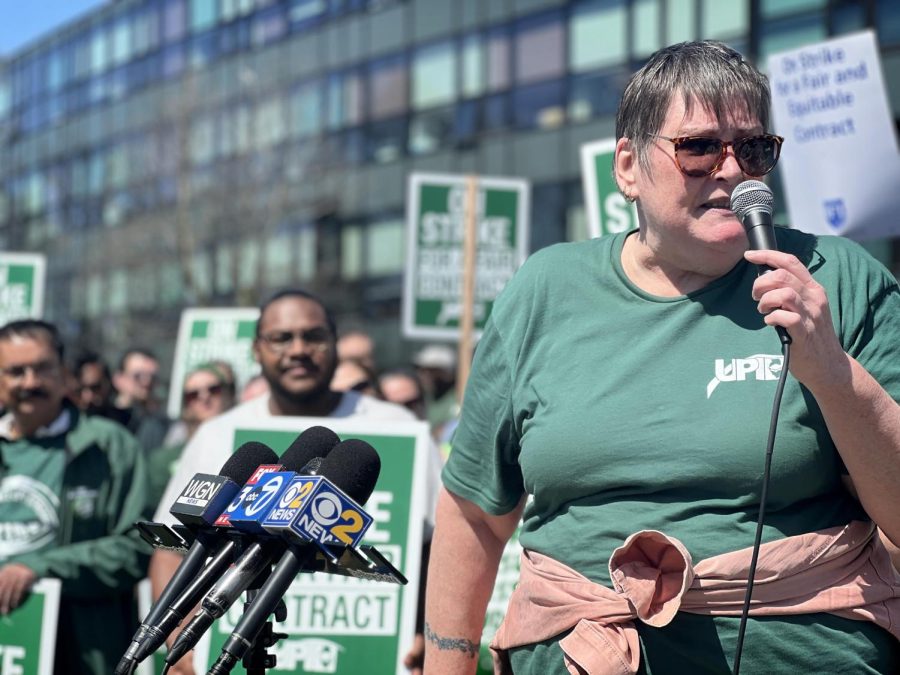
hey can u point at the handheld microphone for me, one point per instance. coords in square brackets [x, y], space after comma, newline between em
[198, 506]
[244, 514]
[316, 510]
[751, 202]
[307, 448]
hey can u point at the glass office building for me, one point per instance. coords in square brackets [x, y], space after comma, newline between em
[174, 153]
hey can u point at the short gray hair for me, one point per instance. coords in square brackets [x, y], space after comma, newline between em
[709, 73]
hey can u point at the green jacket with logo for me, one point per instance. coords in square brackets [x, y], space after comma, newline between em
[97, 553]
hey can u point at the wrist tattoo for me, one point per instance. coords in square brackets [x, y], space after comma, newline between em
[463, 645]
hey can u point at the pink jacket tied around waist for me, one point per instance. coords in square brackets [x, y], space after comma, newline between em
[842, 570]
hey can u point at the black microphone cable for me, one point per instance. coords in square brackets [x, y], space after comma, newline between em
[770, 446]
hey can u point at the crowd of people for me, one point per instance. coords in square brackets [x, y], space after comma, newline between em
[86, 451]
[601, 419]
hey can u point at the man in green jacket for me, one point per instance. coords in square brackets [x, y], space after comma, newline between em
[71, 486]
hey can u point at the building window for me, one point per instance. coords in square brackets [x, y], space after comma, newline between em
[597, 34]
[174, 20]
[725, 19]
[775, 8]
[539, 48]
[351, 252]
[887, 21]
[96, 298]
[645, 24]
[498, 59]
[203, 15]
[171, 286]
[248, 266]
[225, 268]
[121, 43]
[387, 140]
[268, 26]
[592, 96]
[202, 141]
[472, 66]
[345, 100]
[388, 87]
[434, 75]
[98, 50]
[385, 253]
[539, 106]
[778, 36]
[117, 293]
[278, 259]
[431, 130]
[270, 127]
[202, 274]
[306, 109]
[681, 21]
[306, 253]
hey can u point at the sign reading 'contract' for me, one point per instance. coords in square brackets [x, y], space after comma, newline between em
[436, 205]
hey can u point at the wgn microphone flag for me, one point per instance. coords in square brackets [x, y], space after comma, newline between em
[244, 514]
[198, 506]
[323, 509]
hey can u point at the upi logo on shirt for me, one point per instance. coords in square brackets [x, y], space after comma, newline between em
[757, 367]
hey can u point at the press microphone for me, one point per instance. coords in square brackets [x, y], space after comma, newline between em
[751, 202]
[198, 506]
[307, 449]
[324, 509]
[244, 514]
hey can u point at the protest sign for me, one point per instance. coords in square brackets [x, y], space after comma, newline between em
[206, 334]
[839, 164]
[433, 281]
[608, 211]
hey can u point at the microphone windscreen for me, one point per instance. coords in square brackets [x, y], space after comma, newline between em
[751, 195]
[314, 442]
[241, 465]
[353, 466]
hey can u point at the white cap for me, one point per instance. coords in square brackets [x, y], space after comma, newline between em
[435, 356]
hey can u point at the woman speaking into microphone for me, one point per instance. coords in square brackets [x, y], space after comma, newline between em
[620, 404]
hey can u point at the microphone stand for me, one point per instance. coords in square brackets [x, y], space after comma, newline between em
[257, 659]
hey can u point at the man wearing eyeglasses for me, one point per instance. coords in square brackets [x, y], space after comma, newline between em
[296, 346]
[71, 485]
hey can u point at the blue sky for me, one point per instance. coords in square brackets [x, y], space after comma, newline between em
[22, 21]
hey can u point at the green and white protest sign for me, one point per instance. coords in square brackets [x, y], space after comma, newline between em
[22, 277]
[339, 624]
[507, 578]
[607, 210]
[432, 289]
[28, 634]
[209, 333]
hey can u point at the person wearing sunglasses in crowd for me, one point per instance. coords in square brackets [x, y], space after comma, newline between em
[209, 390]
[622, 390]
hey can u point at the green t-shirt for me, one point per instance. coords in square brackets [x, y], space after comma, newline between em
[620, 411]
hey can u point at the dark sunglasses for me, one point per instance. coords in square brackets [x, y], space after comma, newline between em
[191, 395]
[698, 156]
